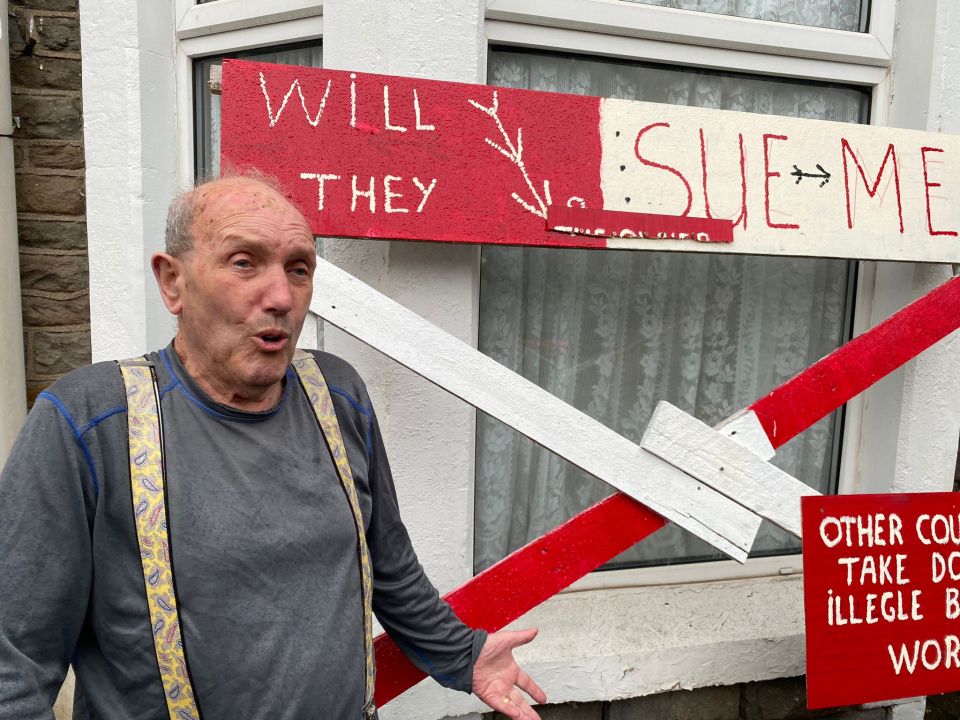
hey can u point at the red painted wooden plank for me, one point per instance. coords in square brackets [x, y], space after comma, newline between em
[829, 383]
[529, 576]
[616, 223]
[537, 571]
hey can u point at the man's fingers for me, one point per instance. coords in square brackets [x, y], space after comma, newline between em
[525, 712]
[526, 683]
[516, 638]
[513, 706]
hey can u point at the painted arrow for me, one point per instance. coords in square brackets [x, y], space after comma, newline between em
[800, 175]
[544, 567]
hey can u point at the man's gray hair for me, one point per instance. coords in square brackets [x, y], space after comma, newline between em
[178, 235]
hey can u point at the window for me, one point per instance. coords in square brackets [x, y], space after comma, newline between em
[612, 332]
[207, 105]
[850, 15]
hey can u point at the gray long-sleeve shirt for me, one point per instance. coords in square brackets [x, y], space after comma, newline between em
[263, 548]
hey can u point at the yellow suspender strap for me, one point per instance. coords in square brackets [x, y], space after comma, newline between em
[145, 439]
[315, 387]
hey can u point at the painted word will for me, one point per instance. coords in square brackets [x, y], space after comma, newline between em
[397, 122]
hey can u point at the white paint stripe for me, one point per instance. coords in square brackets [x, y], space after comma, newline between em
[726, 465]
[361, 311]
[745, 429]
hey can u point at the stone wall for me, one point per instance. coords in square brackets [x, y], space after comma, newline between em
[48, 155]
[783, 699]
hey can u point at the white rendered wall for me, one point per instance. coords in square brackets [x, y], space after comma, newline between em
[129, 130]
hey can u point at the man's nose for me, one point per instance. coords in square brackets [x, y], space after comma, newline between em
[277, 294]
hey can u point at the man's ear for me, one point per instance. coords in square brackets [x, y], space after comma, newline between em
[168, 270]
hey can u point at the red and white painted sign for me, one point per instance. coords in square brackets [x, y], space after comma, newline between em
[881, 596]
[388, 157]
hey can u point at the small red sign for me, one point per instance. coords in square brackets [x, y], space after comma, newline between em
[881, 596]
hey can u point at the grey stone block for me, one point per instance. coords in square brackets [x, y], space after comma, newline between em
[43, 116]
[710, 703]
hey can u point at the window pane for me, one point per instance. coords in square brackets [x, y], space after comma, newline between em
[207, 105]
[851, 15]
[614, 332]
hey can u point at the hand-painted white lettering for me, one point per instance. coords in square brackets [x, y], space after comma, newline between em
[321, 178]
[895, 606]
[388, 195]
[952, 603]
[416, 111]
[323, 102]
[425, 191]
[386, 112]
[945, 566]
[862, 530]
[578, 200]
[930, 654]
[939, 529]
[353, 100]
[363, 193]
[876, 569]
[266, 96]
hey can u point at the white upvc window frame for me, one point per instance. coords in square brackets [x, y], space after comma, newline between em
[637, 32]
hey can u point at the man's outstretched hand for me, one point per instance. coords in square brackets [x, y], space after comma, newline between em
[498, 680]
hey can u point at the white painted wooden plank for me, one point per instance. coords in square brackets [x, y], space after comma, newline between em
[745, 429]
[726, 466]
[344, 301]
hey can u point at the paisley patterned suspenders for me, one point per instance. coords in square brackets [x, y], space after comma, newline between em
[145, 432]
[311, 379]
[145, 439]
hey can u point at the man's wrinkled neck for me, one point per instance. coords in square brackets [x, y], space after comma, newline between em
[202, 370]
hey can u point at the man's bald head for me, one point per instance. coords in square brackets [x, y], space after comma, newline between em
[185, 209]
[238, 275]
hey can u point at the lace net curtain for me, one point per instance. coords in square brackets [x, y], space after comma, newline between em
[835, 14]
[614, 332]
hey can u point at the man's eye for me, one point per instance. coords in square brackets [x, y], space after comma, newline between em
[301, 272]
[242, 263]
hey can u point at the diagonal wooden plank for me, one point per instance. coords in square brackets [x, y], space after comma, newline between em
[361, 311]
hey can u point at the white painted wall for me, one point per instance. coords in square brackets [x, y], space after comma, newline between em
[13, 403]
[599, 642]
[129, 129]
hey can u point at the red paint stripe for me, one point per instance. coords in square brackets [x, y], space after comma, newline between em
[827, 384]
[528, 577]
[616, 223]
[539, 570]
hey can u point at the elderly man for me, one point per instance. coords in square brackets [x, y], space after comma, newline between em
[197, 533]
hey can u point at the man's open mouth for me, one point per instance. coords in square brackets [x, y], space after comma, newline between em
[272, 339]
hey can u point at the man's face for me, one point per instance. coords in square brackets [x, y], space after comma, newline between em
[244, 290]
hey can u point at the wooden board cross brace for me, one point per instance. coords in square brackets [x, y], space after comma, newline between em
[545, 566]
